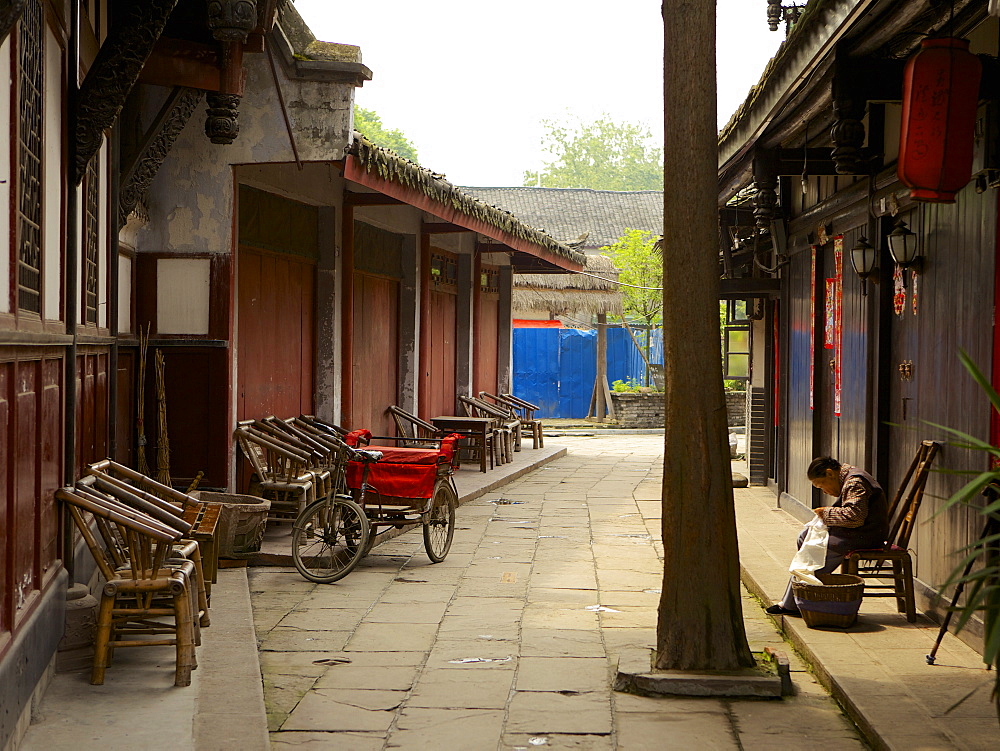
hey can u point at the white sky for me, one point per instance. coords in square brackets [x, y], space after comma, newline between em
[469, 82]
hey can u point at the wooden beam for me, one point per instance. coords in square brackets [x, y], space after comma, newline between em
[178, 62]
[442, 228]
[10, 11]
[740, 289]
[134, 31]
[370, 199]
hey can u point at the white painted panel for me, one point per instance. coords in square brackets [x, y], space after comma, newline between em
[124, 295]
[182, 295]
[52, 201]
[6, 126]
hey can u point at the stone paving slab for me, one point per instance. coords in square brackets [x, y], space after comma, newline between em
[503, 624]
[876, 669]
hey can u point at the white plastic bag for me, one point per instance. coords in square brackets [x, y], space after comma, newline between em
[812, 554]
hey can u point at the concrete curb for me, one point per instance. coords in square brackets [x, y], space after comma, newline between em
[828, 681]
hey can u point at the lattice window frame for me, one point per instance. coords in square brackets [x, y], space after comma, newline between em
[444, 271]
[91, 240]
[30, 102]
[489, 281]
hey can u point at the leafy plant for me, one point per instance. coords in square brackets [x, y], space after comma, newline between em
[982, 583]
[626, 387]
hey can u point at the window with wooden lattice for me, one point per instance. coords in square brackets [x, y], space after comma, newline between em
[444, 271]
[30, 78]
[489, 281]
[91, 241]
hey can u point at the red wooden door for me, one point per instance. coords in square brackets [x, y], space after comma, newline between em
[376, 352]
[443, 307]
[275, 339]
[485, 344]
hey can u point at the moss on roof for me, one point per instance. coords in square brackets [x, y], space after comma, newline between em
[388, 165]
[808, 17]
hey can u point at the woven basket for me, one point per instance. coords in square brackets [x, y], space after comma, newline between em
[836, 603]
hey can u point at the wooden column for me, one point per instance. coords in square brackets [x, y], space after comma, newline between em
[424, 355]
[477, 315]
[600, 398]
[347, 316]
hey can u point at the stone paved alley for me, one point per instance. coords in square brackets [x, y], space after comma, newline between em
[509, 642]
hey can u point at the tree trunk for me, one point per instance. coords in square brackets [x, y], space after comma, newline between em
[700, 619]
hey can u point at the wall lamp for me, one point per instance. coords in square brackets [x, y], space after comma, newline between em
[903, 249]
[864, 259]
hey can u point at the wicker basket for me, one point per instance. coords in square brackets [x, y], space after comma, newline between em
[836, 603]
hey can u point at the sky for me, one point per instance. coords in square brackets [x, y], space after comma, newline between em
[469, 83]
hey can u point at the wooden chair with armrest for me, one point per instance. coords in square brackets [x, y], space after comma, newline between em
[526, 412]
[282, 470]
[143, 585]
[412, 431]
[505, 425]
[164, 503]
[870, 565]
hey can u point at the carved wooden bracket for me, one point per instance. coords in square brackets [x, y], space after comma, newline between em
[10, 11]
[114, 72]
[138, 173]
[765, 180]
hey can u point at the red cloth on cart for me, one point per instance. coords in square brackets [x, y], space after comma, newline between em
[402, 472]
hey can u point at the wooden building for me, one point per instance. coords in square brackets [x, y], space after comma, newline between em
[808, 172]
[199, 179]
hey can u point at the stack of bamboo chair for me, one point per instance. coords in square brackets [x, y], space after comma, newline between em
[141, 535]
[296, 460]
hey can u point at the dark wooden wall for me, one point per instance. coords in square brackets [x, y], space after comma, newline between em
[955, 311]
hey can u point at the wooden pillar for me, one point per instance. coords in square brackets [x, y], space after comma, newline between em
[477, 313]
[505, 334]
[347, 317]
[602, 367]
[424, 356]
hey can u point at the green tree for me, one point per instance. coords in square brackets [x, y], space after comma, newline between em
[369, 124]
[603, 155]
[636, 255]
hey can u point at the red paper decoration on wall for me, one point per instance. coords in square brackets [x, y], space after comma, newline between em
[940, 98]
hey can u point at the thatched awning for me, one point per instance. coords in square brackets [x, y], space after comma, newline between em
[565, 294]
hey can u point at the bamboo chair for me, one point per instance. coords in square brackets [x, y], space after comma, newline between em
[526, 412]
[326, 427]
[284, 434]
[868, 564]
[135, 562]
[282, 471]
[336, 457]
[412, 431]
[504, 423]
[162, 502]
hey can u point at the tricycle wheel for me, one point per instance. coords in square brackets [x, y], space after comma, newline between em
[328, 539]
[439, 522]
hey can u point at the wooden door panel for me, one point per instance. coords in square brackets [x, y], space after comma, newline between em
[6, 465]
[25, 509]
[442, 379]
[486, 344]
[376, 344]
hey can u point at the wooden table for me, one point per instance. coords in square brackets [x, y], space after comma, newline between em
[478, 429]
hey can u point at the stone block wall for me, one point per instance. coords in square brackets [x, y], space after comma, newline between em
[639, 410]
[736, 407]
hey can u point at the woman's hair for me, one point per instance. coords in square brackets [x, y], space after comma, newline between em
[819, 466]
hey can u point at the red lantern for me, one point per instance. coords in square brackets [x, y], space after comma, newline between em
[940, 97]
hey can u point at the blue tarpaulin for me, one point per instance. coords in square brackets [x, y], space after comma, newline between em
[556, 368]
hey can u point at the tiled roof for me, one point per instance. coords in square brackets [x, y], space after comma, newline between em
[389, 166]
[567, 213]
